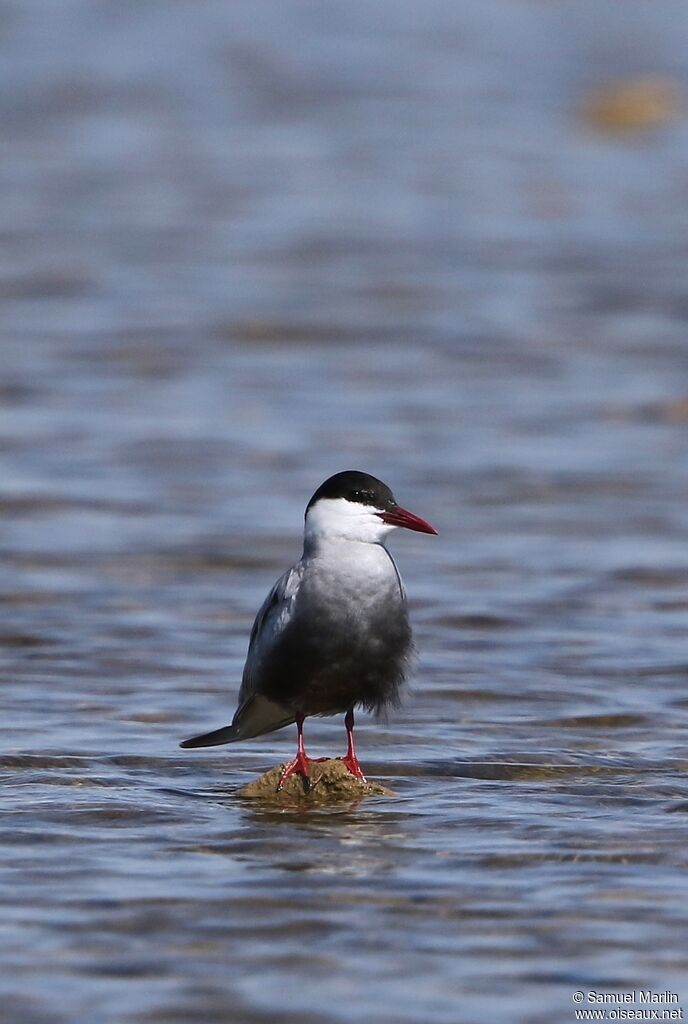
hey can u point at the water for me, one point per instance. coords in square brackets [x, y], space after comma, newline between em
[246, 246]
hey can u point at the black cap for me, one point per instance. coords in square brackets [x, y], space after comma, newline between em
[355, 486]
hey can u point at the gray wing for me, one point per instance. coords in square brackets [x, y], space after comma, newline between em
[256, 714]
[271, 620]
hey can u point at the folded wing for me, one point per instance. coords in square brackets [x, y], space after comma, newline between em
[256, 714]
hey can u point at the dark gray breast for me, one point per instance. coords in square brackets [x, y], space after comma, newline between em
[345, 645]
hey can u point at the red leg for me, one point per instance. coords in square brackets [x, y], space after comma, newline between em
[301, 762]
[350, 759]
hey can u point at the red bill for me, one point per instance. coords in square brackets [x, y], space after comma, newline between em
[400, 517]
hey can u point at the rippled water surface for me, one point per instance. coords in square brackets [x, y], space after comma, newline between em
[246, 246]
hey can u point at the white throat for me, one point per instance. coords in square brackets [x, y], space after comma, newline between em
[336, 520]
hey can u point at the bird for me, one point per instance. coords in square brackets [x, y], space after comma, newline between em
[333, 634]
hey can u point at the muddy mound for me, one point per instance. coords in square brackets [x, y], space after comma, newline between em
[330, 782]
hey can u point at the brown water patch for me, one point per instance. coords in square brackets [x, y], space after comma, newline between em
[480, 621]
[631, 106]
[511, 772]
[24, 640]
[652, 576]
[597, 721]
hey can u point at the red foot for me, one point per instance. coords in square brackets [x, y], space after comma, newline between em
[299, 766]
[351, 762]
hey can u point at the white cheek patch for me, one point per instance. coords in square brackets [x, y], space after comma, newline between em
[332, 518]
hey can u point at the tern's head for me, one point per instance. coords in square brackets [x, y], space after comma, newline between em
[357, 506]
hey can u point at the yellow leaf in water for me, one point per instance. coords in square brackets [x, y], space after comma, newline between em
[633, 105]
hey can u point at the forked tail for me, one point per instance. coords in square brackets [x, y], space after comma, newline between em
[256, 716]
[212, 739]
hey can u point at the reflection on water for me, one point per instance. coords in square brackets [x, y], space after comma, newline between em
[244, 248]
